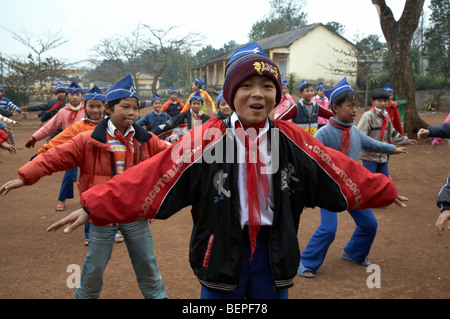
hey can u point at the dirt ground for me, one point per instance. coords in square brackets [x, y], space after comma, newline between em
[414, 263]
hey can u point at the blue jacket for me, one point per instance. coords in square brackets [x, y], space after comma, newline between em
[152, 120]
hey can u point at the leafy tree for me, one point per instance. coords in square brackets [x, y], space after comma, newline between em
[336, 27]
[285, 15]
[207, 53]
[398, 35]
[437, 39]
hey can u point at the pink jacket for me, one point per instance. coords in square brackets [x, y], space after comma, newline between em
[325, 103]
[438, 140]
[285, 104]
[64, 118]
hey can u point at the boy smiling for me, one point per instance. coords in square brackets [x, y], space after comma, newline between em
[244, 239]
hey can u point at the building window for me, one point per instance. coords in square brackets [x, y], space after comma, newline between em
[282, 64]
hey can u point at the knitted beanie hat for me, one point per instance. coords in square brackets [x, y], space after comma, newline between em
[247, 61]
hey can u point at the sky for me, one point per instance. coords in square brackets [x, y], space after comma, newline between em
[84, 22]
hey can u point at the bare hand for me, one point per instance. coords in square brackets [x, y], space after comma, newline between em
[400, 150]
[73, 221]
[9, 147]
[443, 217]
[13, 184]
[423, 133]
[399, 201]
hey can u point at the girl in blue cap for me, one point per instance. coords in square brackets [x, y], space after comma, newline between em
[72, 112]
[197, 86]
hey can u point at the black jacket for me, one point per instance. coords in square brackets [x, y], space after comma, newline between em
[182, 120]
[443, 199]
[307, 174]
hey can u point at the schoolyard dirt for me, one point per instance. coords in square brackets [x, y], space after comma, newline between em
[412, 261]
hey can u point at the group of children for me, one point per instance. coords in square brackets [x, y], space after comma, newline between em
[246, 203]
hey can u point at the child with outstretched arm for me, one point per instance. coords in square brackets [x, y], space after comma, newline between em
[115, 145]
[247, 179]
[341, 134]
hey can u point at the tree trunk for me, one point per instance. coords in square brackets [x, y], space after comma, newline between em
[398, 35]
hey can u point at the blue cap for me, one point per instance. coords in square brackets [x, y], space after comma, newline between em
[249, 60]
[198, 81]
[74, 88]
[60, 87]
[1, 89]
[155, 97]
[284, 83]
[121, 90]
[173, 90]
[341, 87]
[302, 85]
[219, 98]
[320, 86]
[388, 88]
[94, 94]
[248, 50]
[196, 97]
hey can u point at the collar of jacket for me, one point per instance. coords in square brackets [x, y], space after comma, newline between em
[227, 122]
[99, 133]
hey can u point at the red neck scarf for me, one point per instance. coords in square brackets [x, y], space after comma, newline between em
[383, 126]
[346, 139]
[254, 178]
[129, 151]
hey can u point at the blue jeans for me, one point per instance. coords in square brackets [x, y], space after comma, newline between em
[66, 190]
[358, 246]
[139, 243]
[377, 167]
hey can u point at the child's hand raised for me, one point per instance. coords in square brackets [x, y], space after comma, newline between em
[73, 221]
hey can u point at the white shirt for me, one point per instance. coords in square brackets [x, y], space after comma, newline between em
[112, 128]
[265, 155]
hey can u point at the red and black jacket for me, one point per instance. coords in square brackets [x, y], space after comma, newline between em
[308, 175]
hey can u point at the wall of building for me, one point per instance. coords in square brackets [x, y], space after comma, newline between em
[313, 56]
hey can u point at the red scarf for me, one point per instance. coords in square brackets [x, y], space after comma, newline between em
[383, 126]
[54, 107]
[346, 139]
[254, 178]
[129, 152]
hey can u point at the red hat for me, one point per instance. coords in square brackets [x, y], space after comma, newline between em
[245, 62]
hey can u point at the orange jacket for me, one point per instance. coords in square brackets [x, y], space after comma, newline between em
[73, 130]
[207, 99]
[91, 152]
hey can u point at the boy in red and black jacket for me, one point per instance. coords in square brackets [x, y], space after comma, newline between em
[247, 179]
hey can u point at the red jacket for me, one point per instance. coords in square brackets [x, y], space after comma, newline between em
[3, 136]
[91, 152]
[308, 174]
